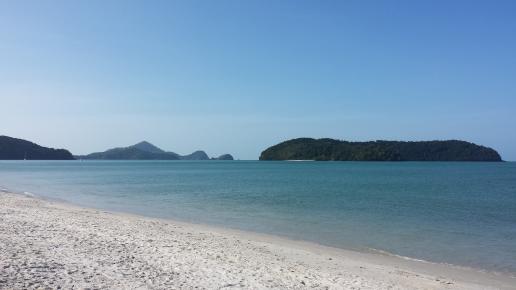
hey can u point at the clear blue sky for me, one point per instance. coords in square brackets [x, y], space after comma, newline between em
[239, 76]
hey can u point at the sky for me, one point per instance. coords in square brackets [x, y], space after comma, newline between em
[239, 76]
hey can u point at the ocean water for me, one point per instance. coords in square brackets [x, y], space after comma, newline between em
[456, 213]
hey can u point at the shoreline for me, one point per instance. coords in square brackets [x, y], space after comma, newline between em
[289, 264]
[258, 235]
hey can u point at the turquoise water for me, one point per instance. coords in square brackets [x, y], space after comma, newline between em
[457, 213]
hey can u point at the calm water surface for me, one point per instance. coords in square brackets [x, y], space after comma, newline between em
[458, 213]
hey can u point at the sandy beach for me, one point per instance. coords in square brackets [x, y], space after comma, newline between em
[47, 244]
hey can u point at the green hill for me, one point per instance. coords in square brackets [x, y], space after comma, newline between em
[19, 149]
[143, 151]
[337, 150]
[224, 157]
[130, 153]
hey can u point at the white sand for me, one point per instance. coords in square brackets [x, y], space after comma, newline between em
[47, 244]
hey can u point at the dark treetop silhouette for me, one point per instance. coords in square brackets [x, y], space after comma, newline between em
[337, 150]
[18, 149]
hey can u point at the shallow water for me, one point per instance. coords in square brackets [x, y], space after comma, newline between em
[457, 213]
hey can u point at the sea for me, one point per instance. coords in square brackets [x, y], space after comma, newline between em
[458, 213]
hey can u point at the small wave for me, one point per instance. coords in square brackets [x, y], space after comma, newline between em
[386, 253]
[29, 194]
[382, 252]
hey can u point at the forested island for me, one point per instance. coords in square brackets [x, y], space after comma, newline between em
[336, 150]
[19, 149]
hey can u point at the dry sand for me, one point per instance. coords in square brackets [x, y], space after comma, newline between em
[45, 244]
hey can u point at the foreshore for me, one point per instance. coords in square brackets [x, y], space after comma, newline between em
[47, 244]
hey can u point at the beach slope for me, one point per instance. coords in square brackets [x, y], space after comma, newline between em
[50, 244]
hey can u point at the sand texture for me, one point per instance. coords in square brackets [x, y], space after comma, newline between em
[46, 244]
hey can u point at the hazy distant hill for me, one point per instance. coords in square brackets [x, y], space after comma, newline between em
[224, 157]
[19, 149]
[197, 155]
[130, 153]
[330, 149]
[143, 151]
[147, 147]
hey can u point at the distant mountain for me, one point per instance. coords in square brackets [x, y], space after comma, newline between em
[19, 149]
[197, 155]
[130, 153]
[143, 151]
[147, 147]
[224, 157]
[336, 150]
